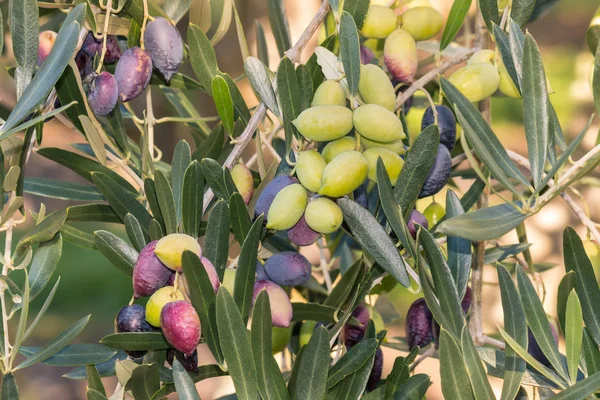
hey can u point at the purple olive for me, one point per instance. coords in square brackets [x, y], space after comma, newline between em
[361, 197]
[534, 349]
[288, 268]
[419, 324]
[301, 234]
[163, 43]
[352, 334]
[212, 273]
[84, 64]
[466, 301]
[446, 124]
[261, 274]
[438, 174]
[133, 73]
[189, 362]
[281, 306]
[181, 326]
[104, 94]
[46, 42]
[149, 274]
[93, 47]
[376, 371]
[270, 191]
[366, 55]
[132, 319]
[414, 219]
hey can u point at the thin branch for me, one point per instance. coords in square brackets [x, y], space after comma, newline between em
[246, 136]
[428, 353]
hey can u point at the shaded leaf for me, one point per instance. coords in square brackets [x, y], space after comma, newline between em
[457, 15]
[117, 251]
[135, 341]
[350, 51]
[459, 249]
[279, 25]
[216, 244]
[246, 269]
[192, 199]
[184, 385]
[202, 57]
[573, 334]
[258, 74]
[311, 379]
[454, 375]
[223, 102]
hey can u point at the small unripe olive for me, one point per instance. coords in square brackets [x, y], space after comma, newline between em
[309, 169]
[329, 93]
[392, 162]
[414, 116]
[332, 149]
[422, 23]
[485, 56]
[324, 123]
[46, 42]
[379, 22]
[476, 81]
[170, 248]
[376, 88]
[507, 86]
[377, 123]
[434, 213]
[244, 182]
[158, 300]
[306, 332]
[592, 250]
[287, 207]
[346, 172]
[280, 337]
[281, 306]
[302, 234]
[400, 55]
[323, 215]
[396, 146]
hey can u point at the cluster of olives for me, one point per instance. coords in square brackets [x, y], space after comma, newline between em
[163, 50]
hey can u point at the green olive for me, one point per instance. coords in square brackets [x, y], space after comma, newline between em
[309, 169]
[376, 88]
[476, 81]
[243, 180]
[329, 93]
[323, 215]
[377, 123]
[422, 23]
[346, 172]
[592, 250]
[392, 162]
[332, 149]
[400, 55]
[229, 279]
[379, 22]
[306, 331]
[287, 207]
[158, 300]
[507, 86]
[280, 337]
[170, 248]
[397, 146]
[324, 123]
[434, 213]
[486, 56]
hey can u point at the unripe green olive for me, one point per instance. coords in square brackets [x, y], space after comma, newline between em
[414, 118]
[592, 250]
[422, 23]
[158, 300]
[324, 123]
[332, 149]
[397, 146]
[377, 123]
[379, 22]
[306, 331]
[376, 88]
[485, 56]
[323, 215]
[244, 182]
[507, 86]
[346, 172]
[329, 93]
[280, 337]
[309, 169]
[476, 81]
[593, 32]
[434, 213]
[287, 207]
[392, 162]
[400, 55]
[502, 4]
[229, 279]
[170, 248]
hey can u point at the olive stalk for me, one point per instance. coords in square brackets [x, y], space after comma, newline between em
[109, 10]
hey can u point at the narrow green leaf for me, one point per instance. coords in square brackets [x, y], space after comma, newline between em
[135, 341]
[20, 335]
[591, 353]
[311, 379]
[279, 25]
[223, 102]
[270, 381]
[288, 93]
[213, 173]
[216, 244]
[92, 212]
[43, 310]
[479, 382]
[353, 386]
[144, 381]
[582, 390]
[573, 334]
[521, 11]
[164, 194]
[135, 233]
[373, 238]
[74, 355]
[350, 51]
[566, 285]
[246, 269]
[182, 158]
[43, 265]
[221, 19]
[63, 190]
[258, 74]
[240, 220]
[211, 147]
[117, 251]
[457, 15]
[94, 381]
[56, 344]
[203, 298]
[314, 312]
[454, 375]
[352, 361]
[24, 27]
[503, 45]
[92, 394]
[400, 372]
[202, 57]
[236, 346]
[459, 249]
[192, 199]
[262, 50]
[358, 10]
[44, 231]
[305, 83]
[184, 385]
[596, 80]
[586, 287]
[417, 163]
[242, 113]
[414, 388]
[489, 12]
[538, 322]
[9, 390]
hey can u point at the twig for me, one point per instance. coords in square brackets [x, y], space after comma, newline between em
[493, 342]
[433, 74]
[246, 136]
[104, 35]
[428, 353]
[324, 265]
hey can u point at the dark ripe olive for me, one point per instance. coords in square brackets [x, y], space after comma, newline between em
[104, 94]
[163, 43]
[132, 319]
[133, 73]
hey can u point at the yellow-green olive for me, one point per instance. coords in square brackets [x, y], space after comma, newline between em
[346, 172]
[397, 146]
[434, 213]
[244, 182]
[170, 248]
[309, 169]
[376, 88]
[392, 162]
[377, 123]
[323, 215]
[324, 123]
[476, 81]
[287, 207]
[158, 300]
[422, 23]
[379, 22]
[400, 55]
[332, 149]
[485, 56]
[507, 86]
[592, 250]
[329, 93]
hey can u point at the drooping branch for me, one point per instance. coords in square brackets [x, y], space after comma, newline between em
[260, 112]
